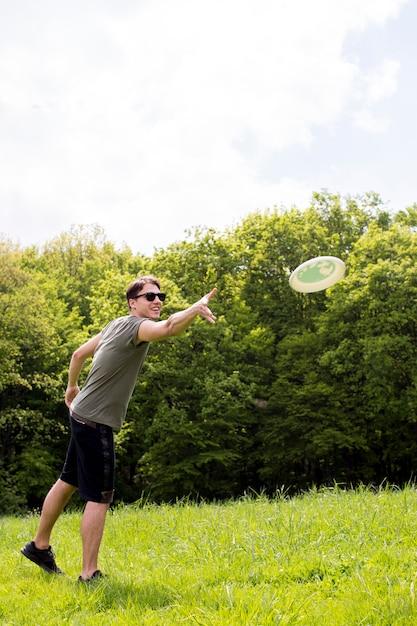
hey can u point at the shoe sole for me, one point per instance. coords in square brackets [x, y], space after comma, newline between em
[41, 565]
[92, 580]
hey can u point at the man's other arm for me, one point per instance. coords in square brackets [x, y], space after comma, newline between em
[77, 361]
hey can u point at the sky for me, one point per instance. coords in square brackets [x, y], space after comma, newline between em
[152, 117]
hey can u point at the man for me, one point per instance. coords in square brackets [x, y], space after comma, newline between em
[99, 409]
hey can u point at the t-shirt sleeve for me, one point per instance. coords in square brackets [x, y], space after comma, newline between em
[135, 328]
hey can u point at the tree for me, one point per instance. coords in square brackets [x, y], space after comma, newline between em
[343, 402]
[37, 335]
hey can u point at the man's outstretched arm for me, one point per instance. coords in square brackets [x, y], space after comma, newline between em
[178, 322]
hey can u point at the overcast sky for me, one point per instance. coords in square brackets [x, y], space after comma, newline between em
[150, 117]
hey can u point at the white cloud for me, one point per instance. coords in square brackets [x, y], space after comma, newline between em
[382, 82]
[155, 116]
[368, 121]
[376, 85]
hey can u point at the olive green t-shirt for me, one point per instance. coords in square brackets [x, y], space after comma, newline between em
[117, 362]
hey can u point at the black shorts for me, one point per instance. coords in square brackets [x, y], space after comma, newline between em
[90, 463]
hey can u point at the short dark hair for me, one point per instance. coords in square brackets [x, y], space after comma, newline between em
[137, 285]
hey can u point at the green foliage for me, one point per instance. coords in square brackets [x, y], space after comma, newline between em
[199, 448]
[79, 260]
[344, 393]
[27, 461]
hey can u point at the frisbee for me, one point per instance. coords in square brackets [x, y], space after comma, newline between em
[317, 274]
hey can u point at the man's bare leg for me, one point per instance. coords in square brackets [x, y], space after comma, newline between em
[92, 527]
[55, 502]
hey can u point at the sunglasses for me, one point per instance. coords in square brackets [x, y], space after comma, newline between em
[150, 296]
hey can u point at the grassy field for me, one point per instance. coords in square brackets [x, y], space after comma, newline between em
[326, 558]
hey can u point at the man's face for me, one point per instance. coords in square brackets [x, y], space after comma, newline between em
[142, 307]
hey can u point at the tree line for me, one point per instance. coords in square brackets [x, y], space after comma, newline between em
[285, 391]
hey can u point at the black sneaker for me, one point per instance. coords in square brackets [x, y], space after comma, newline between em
[94, 576]
[44, 558]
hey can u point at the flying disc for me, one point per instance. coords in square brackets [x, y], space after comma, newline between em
[317, 274]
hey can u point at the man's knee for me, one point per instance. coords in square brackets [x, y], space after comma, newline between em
[65, 486]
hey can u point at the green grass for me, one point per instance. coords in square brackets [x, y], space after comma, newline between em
[327, 558]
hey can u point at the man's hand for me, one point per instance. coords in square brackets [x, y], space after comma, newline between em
[203, 308]
[70, 394]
